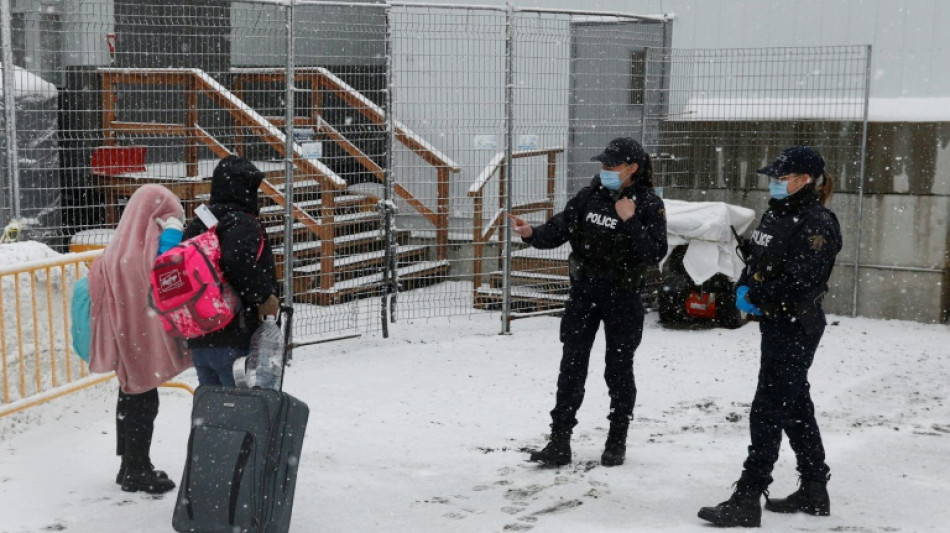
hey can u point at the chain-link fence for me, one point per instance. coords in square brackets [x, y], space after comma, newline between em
[723, 114]
[404, 134]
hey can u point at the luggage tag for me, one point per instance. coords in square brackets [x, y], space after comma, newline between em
[206, 216]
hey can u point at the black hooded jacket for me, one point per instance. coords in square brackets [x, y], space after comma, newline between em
[604, 244]
[235, 204]
[792, 253]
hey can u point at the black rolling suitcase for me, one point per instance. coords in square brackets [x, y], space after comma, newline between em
[241, 468]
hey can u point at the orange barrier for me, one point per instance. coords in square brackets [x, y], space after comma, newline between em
[37, 363]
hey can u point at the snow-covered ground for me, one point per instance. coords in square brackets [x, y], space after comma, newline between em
[425, 431]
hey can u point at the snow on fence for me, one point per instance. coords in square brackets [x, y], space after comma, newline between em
[37, 362]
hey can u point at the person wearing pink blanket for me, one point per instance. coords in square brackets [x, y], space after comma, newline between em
[128, 337]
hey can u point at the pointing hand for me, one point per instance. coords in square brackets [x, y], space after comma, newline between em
[520, 226]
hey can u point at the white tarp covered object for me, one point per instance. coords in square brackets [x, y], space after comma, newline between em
[705, 228]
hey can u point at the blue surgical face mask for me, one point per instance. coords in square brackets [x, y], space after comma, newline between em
[610, 179]
[777, 189]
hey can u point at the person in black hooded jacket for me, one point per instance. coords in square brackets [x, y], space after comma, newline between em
[788, 263]
[234, 202]
[617, 228]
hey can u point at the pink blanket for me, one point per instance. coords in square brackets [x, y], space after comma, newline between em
[127, 336]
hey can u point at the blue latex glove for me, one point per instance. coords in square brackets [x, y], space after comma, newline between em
[742, 301]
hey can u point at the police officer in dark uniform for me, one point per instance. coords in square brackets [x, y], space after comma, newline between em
[788, 262]
[617, 228]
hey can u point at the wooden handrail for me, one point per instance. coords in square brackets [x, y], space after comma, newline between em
[498, 160]
[482, 232]
[317, 78]
[357, 101]
[196, 81]
[177, 130]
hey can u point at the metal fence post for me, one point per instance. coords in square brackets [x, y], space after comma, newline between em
[9, 108]
[864, 150]
[390, 284]
[509, 167]
[289, 112]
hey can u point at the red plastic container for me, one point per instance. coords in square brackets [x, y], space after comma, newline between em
[701, 305]
[115, 160]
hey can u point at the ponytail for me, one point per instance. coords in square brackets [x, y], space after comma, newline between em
[644, 174]
[826, 189]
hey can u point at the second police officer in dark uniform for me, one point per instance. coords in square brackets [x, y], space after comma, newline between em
[617, 228]
[789, 260]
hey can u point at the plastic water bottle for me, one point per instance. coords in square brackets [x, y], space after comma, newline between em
[267, 347]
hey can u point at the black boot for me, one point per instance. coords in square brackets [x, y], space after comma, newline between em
[742, 509]
[811, 497]
[558, 450]
[616, 448]
[141, 477]
[121, 475]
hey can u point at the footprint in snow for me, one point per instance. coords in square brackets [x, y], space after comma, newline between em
[559, 507]
[523, 493]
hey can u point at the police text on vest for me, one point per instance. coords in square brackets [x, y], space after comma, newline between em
[602, 220]
[762, 239]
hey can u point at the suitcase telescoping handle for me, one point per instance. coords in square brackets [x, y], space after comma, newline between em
[285, 311]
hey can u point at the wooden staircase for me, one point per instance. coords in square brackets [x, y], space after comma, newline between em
[339, 248]
[359, 251]
[539, 282]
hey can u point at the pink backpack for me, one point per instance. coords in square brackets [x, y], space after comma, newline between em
[189, 291]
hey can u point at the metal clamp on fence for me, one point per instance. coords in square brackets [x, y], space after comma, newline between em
[388, 210]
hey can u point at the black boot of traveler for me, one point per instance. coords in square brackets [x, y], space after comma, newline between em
[742, 509]
[139, 476]
[616, 447]
[558, 450]
[121, 475]
[811, 497]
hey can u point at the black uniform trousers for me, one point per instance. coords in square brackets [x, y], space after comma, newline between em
[592, 301]
[134, 423]
[783, 404]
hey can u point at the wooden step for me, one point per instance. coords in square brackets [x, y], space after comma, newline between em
[307, 277]
[552, 262]
[359, 222]
[411, 277]
[308, 185]
[554, 267]
[522, 299]
[538, 281]
[364, 259]
[345, 244]
[344, 201]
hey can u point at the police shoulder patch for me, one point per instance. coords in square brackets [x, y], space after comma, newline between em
[817, 242]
